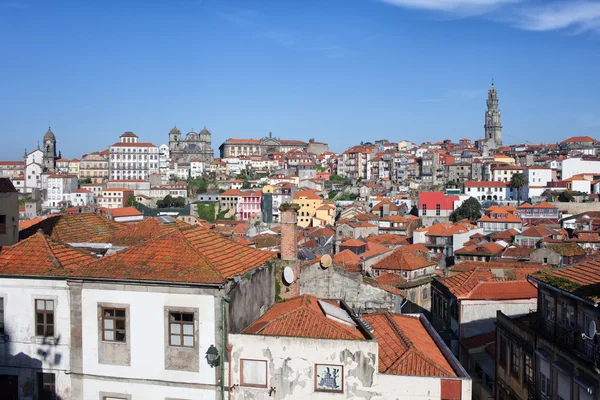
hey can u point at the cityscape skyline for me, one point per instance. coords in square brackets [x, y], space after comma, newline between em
[245, 69]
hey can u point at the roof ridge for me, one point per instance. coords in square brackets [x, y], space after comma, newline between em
[53, 259]
[303, 305]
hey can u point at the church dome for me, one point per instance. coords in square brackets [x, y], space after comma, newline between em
[205, 131]
[49, 135]
[191, 136]
[175, 131]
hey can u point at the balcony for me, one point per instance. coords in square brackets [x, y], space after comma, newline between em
[571, 339]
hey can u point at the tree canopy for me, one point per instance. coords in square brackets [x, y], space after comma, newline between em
[470, 209]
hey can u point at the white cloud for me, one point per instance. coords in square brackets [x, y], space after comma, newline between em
[454, 6]
[580, 15]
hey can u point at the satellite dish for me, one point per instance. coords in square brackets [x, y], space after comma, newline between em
[326, 261]
[592, 329]
[288, 275]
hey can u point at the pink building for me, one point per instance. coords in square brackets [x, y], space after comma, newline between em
[249, 206]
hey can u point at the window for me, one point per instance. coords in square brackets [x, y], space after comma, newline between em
[2, 224]
[515, 360]
[113, 324]
[181, 329]
[46, 384]
[545, 383]
[564, 387]
[437, 209]
[424, 209]
[253, 373]
[1, 316]
[528, 362]
[44, 317]
[425, 294]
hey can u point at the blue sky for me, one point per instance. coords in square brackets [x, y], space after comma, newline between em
[341, 71]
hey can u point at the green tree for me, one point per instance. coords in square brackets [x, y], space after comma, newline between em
[131, 202]
[178, 202]
[168, 201]
[206, 212]
[566, 197]
[246, 185]
[518, 181]
[470, 209]
[338, 178]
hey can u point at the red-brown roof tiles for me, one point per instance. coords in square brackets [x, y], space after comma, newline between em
[302, 317]
[406, 347]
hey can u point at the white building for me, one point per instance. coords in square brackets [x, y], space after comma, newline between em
[145, 331]
[492, 190]
[130, 159]
[34, 166]
[576, 166]
[57, 188]
[537, 178]
[310, 348]
[196, 169]
[81, 197]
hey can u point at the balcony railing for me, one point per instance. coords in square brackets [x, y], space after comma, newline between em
[562, 334]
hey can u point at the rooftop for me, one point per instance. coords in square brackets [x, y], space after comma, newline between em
[308, 317]
[406, 347]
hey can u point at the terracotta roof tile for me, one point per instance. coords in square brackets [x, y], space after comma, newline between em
[582, 280]
[405, 258]
[302, 317]
[406, 347]
[74, 228]
[388, 239]
[39, 255]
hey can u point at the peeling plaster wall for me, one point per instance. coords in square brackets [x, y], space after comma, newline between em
[291, 363]
[291, 366]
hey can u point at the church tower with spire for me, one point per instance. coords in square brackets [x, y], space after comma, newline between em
[49, 150]
[493, 126]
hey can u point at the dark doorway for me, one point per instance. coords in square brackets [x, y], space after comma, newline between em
[9, 387]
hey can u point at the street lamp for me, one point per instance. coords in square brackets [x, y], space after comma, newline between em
[212, 356]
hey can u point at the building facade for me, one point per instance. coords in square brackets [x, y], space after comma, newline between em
[131, 159]
[266, 145]
[194, 146]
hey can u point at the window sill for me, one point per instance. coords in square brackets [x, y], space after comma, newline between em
[114, 342]
[44, 340]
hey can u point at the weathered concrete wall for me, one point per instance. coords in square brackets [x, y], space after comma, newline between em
[479, 316]
[335, 283]
[291, 366]
[250, 297]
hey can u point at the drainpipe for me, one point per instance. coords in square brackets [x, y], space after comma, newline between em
[229, 385]
[224, 324]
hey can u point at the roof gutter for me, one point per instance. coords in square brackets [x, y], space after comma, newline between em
[563, 292]
[112, 280]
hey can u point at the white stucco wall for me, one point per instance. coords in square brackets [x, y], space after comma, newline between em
[93, 388]
[459, 239]
[24, 353]
[147, 334]
[479, 316]
[574, 166]
[291, 365]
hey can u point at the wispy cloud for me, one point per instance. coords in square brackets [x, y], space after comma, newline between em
[454, 6]
[12, 4]
[576, 16]
[580, 15]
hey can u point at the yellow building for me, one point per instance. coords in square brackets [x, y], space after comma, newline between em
[74, 167]
[325, 214]
[95, 167]
[309, 202]
[501, 158]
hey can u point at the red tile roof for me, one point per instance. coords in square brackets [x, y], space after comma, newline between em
[388, 239]
[147, 229]
[582, 280]
[489, 248]
[38, 255]
[72, 228]
[580, 139]
[406, 347]
[302, 317]
[124, 212]
[405, 259]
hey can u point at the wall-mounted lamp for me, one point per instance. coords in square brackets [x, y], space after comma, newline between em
[212, 356]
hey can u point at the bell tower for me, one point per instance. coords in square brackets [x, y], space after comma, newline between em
[493, 126]
[49, 150]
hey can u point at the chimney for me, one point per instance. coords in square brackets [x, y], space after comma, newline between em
[289, 233]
